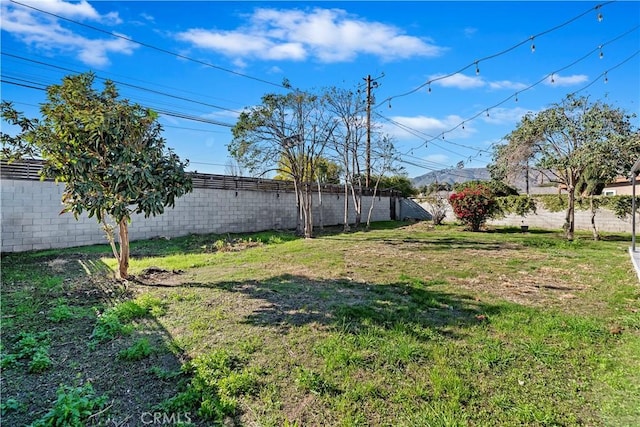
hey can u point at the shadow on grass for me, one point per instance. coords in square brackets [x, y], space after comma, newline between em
[60, 298]
[289, 301]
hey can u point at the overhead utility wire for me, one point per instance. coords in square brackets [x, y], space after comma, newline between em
[150, 46]
[165, 112]
[515, 95]
[182, 98]
[548, 76]
[477, 61]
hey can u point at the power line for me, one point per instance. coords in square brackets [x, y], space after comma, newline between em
[159, 111]
[495, 55]
[150, 46]
[157, 92]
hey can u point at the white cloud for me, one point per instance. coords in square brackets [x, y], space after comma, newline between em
[46, 33]
[78, 10]
[459, 81]
[423, 127]
[507, 84]
[437, 158]
[470, 31]
[328, 35]
[501, 116]
[558, 80]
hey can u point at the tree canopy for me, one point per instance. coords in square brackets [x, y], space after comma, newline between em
[571, 142]
[108, 153]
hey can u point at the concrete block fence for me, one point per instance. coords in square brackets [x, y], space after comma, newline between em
[31, 219]
[606, 220]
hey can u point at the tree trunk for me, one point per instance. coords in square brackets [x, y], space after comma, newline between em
[596, 235]
[346, 206]
[307, 211]
[569, 221]
[321, 219]
[124, 249]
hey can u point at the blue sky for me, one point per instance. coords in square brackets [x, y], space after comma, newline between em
[207, 60]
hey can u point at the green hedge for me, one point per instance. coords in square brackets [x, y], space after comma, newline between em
[523, 205]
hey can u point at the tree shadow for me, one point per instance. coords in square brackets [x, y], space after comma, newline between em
[290, 301]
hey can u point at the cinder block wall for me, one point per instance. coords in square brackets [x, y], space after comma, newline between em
[31, 220]
[606, 220]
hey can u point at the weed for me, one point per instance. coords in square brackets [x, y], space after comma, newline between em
[218, 378]
[73, 406]
[116, 320]
[137, 351]
[61, 311]
[314, 382]
[40, 360]
[9, 405]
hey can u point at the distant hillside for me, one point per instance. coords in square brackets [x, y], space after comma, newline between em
[451, 176]
[537, 183]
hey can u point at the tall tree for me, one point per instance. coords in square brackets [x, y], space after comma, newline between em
[348, 108]
[108, 153]
[294, 127]
[567, 141]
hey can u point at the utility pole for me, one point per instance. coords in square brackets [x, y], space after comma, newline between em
[371, 83]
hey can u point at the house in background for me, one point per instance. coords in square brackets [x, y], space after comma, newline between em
[619, 187]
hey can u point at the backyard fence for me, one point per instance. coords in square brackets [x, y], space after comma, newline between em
[31, 219]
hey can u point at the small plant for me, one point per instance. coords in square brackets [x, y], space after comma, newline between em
[34, 349]
[73, 407]
[40, 360]
[217, 380]
[9, 405]
[61, 312]
[138, 351]
[115, 320]
[313, 382]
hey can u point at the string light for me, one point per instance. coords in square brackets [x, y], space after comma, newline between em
[389, 103]
[477, 69]
[429, 89]
[516, 96]
[533, 46]
[487, 113]
[600, 17]
[606, 79]
[552, 79]
[462, 125]
[601, 53]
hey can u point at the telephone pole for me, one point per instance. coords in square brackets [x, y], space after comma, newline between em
[371, 83]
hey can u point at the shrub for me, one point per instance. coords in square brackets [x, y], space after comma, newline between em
[74, 405]
[474, 205]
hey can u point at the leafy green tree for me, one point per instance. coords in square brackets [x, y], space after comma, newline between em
[291, 130]
[108, 153]
[400, 183]
[568, 141]
[327, 172]
[474, 205]
[498, 188]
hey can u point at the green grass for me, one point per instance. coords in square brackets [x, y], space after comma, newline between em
[400, 325]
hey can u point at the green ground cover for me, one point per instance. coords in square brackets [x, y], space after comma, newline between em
[406, 324]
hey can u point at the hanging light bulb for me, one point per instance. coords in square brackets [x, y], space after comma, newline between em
[533, 46]
[552, 79]
[477, 69]
[600, 17]
[442, 135]
[429, 89]
[516, 96]
[606, 79]
[487, 113]
[601, 53]
[462, 125]
[389, 103]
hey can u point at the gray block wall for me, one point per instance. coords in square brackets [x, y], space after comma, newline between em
[31, 219]
[606, 220]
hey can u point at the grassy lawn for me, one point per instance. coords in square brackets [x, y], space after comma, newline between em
[406, 324]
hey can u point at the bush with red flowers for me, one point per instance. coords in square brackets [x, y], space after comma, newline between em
[474, 205]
